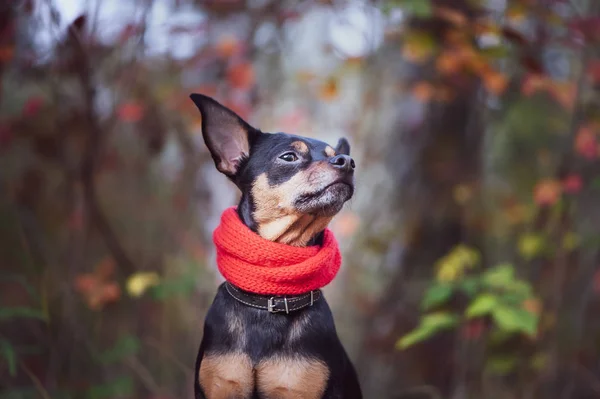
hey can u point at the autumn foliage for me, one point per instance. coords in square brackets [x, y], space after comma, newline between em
[472, 245]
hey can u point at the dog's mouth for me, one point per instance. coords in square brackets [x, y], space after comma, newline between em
[326, 201]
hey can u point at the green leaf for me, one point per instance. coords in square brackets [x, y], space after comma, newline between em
[183, 285]
[469, 285]
[439, 320]
[430, 324]
[539, 361]
[595, 183]
[11, 313]
[481, 305]
[501, 365]
[122, 386]
[436, 295]
[515, 320]
[494, 52]
[419, 8]
[126, 346]
[415, 336]
[9, 355]
[500, 276]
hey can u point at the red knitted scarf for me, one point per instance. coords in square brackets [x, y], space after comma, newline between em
[261, 266]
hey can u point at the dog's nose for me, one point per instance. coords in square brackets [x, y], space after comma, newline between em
[343, 162]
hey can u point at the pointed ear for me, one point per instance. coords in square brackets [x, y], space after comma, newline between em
[227, 136]
[342, 147]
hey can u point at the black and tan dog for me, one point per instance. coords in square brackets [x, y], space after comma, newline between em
[291, 188]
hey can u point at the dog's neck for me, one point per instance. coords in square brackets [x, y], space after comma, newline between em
[296, 229]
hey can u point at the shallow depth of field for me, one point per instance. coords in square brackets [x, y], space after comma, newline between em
[471, 248]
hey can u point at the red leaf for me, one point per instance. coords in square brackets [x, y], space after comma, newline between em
[241, 75]
[572, 184]
[473, 329]
[594, 71]
[532, 64]
[514, 35]
[6, 136]
[596, 282]
[130, 112]
[586, 144]
[587, 27]
[32, 106]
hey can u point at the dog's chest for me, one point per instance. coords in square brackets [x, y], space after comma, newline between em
[263, 361]
[281, 376]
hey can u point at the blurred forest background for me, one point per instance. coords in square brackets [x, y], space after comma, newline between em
[471, 249]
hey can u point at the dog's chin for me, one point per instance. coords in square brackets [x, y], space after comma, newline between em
[326, 202]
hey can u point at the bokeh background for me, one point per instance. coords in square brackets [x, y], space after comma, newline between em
[471, 248]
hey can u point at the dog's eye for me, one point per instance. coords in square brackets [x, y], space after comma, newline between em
[289, 157]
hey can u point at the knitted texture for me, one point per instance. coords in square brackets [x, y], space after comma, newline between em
[261, 266]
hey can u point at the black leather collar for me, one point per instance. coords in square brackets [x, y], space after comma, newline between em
[273, 304]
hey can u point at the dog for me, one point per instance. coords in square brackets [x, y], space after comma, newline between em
[269, 346]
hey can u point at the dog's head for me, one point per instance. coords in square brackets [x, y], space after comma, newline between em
[291, 185]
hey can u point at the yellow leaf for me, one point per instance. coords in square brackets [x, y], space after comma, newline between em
[454, 264]
[418, 47]
[139, 283]
[530, 245]
[462, 193]
[570, 241]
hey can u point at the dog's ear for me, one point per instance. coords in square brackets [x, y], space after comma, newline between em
[342, 147]
[227, 136]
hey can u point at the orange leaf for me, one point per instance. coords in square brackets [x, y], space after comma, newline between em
[495, 82]
[228, 46]
[448, 63]
[532, 306]
[564, 93]
[329, 90]
[533, 83]
[130, 112]
[241, 75]
[451, 15]
[547, 192]
[85, 283]
[423, 91]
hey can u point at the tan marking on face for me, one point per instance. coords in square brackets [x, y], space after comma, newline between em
[300, 146]
[330, 152]
[226, 376]
[291, 378]
[277, 218]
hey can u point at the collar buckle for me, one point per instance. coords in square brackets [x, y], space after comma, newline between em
[271, 305]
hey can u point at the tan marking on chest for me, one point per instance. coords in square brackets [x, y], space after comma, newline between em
[275, 214]
[291, 378]
[330, 152]
[226, 376]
